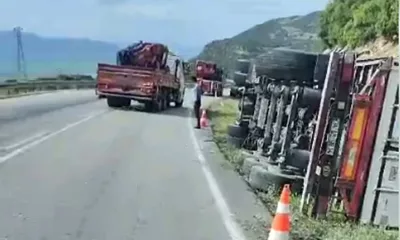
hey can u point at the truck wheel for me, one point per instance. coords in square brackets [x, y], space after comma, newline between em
[248, 109]
[240, 79]
[164, 102]
[179, 101]
[249, 163]
[235, 141]
[242, 65]
[114, 102]
[148, 106]
[237, 131]
[287, 65]
[179, 104]
[156, 106]
[125, 102]
[266, 177]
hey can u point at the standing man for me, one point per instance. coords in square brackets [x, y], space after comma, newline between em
[198, 91]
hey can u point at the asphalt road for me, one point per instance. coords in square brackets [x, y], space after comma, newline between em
[72, 168]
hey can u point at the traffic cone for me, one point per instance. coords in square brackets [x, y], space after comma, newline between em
[203, 119]
[281, 224]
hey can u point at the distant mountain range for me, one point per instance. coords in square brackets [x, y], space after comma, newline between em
[49, 56]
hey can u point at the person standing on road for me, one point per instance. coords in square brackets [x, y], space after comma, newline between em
[198, 91]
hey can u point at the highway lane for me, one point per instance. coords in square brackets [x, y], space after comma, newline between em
[97, 173]
[12, 109]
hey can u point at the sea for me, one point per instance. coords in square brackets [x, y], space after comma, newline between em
[47, 69]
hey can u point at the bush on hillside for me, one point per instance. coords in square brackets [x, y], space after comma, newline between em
[356, 22]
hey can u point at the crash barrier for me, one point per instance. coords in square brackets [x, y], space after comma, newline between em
[17, 88]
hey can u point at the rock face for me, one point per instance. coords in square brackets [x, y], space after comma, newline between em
[296, 32]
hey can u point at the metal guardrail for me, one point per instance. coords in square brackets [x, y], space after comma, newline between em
[14, 89]
[55, 82]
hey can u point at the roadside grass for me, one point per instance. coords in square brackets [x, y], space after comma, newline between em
[224, 112]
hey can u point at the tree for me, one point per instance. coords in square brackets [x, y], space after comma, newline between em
[355, 22]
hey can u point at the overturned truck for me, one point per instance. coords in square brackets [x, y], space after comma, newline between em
[314, 121]
[277, 113]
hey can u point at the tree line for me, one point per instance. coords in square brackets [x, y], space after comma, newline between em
[356, 22]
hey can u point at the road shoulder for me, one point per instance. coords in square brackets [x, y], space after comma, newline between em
[248, 210]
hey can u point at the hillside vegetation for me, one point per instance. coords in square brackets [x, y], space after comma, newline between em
[296, 32]
[369, 26]
[354, 23]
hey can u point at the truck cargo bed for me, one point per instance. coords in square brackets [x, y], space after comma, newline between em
[137, 83]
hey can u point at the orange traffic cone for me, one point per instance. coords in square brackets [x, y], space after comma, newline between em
[281, 224]
[203, 119]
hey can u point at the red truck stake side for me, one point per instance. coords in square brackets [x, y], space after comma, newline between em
[147, 73]
[210, 78]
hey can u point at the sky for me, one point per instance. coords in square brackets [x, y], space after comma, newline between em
[190, 23]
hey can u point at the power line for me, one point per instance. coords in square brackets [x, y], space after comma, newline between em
[21, 64]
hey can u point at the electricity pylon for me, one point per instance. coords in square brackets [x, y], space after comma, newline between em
[21, 64]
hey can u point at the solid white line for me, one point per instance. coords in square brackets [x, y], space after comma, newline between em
[42, 139]
[234, 231]
[17, 144]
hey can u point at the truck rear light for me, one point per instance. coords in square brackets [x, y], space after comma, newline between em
[101, 86]
[348, 67]
[351, 155]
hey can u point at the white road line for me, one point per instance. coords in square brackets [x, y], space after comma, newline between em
[44, 138]
[22, 142]
[234, 231]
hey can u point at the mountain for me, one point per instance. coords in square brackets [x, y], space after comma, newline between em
[48, 56]
[51, 56]
[295, 32]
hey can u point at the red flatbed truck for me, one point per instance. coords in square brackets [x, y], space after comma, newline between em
[155, 78]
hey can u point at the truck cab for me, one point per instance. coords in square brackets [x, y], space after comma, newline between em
[210, 77]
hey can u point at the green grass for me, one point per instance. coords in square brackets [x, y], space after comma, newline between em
[223, 113]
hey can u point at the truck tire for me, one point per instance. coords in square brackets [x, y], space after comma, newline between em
[286, 65]
[164, 102]
[267, 177]
[153, 106]
[248, 109]
[179, 100]
[179, 104]
[240, 79]
[114, 102]
[234, 92]
[125, 102]
[237, 131]
[248, 164]
[148, 106]
[235, 141]
[242, 65]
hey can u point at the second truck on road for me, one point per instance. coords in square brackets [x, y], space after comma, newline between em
[146, 72]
